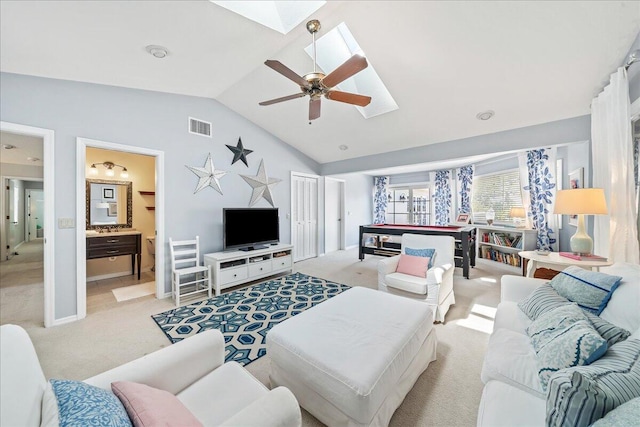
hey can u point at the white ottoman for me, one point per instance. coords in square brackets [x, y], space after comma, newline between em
[351, 360]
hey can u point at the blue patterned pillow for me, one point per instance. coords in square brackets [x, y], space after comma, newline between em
[81, 404]
[551, 323]
[431, 253]
[541, 300]
[579, 396]
[590, 289]
[610, 332]
[577, 344]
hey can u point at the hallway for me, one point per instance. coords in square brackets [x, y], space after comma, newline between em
[22, 285]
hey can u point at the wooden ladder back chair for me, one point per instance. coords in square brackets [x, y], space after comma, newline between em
[185, 265]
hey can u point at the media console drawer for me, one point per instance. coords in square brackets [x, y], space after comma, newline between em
[281, 262]
[259, 268]
[232, 274]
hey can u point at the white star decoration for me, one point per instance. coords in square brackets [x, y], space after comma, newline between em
[208, 175]
[262, 185]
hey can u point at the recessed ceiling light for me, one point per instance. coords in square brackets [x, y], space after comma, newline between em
[343, 147]
[8, 146]
[157, 51]
[33, 159]
[485, 115]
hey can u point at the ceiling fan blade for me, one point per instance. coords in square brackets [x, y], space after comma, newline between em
[349, 98]
[314, 108]
[284, 98]
[287, 72]
[351, 66]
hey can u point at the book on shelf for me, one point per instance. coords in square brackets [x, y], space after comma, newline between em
[579, 257]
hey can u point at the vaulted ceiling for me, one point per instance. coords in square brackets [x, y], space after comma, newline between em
[443, 62]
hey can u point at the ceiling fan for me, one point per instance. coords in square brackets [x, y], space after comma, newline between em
[316, 84]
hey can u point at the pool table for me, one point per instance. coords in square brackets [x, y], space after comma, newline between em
[465, 237]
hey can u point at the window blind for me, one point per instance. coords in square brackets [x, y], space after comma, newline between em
[499, 191]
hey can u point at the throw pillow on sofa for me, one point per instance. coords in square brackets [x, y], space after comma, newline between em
[81, 404]
[426, 253]
[610, 332]
[590, 289]
[577, 344]
[579, 396]
[148, 406]
[541, 300]
[413, 265]
[627, 414]
[549, 324]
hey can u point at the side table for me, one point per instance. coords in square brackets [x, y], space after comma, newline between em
[554, 258]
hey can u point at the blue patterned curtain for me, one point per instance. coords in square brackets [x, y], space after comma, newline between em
[538, 181]
[380, 199]
[465, 180]
[442, 197]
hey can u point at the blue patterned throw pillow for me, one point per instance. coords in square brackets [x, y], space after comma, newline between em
[576, 345]
[590, 289]
[431, 253]
[579, 396]
[610, 332]
[81, 404]
[549, 324]
[541, 300]
[627, 414]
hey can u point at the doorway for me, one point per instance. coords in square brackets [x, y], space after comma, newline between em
[304, 215]
[154, 206]
[334, 216]
[34, 209]
[39, 255]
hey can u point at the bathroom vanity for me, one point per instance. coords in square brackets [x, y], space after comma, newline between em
[118, 243]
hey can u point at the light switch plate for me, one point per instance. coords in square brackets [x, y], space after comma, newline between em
[66, 223]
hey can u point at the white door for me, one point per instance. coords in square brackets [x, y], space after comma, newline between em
[334, 215]
[304, 216]
[35, 214]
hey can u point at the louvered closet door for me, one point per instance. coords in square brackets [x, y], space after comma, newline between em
[305, 217]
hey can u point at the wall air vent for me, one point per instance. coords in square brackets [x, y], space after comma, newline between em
[199, 127]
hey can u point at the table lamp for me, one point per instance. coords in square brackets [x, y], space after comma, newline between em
[517, 214]
[581, 202]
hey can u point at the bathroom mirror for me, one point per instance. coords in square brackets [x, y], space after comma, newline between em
[108, 204]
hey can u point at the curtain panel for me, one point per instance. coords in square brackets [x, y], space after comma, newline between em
[538, 181]
[615, 235]
[442, 196]
[465, 182]
[380, 185]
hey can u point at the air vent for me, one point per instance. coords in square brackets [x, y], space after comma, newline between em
[199, 127]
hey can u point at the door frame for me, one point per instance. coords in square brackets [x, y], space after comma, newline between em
[48, 166]
[342, 185]
[292, 190]
[81, 215]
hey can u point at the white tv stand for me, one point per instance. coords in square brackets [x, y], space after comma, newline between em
[234, 268]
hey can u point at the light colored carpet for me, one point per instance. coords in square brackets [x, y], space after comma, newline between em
[134, 291]
[447, 393]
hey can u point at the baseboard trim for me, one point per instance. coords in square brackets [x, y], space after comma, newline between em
[350, 247]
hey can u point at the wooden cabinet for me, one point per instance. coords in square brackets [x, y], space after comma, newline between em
[502, 244]
[234, 268]
[116, 244]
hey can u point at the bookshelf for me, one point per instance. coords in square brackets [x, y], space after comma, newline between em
[502, 244]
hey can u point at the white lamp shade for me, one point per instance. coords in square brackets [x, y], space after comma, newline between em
[517, 213]
[587, 201]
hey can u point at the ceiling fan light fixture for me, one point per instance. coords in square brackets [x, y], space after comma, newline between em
[485, 115]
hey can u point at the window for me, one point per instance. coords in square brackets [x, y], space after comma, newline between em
[499, 191]
[408, 205]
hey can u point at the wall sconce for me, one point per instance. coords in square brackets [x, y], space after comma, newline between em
[110, 171]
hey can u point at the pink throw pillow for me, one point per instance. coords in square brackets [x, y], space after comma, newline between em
[148, 406]
[413, 265]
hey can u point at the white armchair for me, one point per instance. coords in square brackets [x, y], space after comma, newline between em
[436, 289]
[216, 393]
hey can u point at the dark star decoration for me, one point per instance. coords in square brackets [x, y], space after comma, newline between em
[239, 152]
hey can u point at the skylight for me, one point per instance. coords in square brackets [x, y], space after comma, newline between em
[281, 16]
[338, 45]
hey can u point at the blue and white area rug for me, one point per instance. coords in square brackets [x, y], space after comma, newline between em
[245, 316]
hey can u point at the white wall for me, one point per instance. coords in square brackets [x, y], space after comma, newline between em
[157, 121]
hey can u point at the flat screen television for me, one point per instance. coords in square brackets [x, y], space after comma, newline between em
[250, 228]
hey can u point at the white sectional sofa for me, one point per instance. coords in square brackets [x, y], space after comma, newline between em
[512, 395]
[217, 393]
